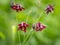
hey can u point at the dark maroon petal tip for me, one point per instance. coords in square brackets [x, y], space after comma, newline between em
[49, 9]
[38, 26]
[23, 26]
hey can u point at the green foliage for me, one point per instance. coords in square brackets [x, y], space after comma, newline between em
[34, 12]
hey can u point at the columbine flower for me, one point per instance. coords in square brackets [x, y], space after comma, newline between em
[49, 9]
[19, 8]
[23, 26]
[38, 26]
[16, 7]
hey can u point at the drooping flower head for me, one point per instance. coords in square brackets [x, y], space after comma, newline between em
[16, 7]
[38, 26]
[22, 26]
[49, 9]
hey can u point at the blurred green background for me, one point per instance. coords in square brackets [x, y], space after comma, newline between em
[9, 19]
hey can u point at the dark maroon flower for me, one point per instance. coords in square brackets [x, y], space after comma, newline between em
[13, 6]
[16, 7]
[22, 26]
[38, 26]
[19, 8]
[49, 9]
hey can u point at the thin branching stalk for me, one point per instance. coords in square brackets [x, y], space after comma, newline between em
[39, 17]
[28, 36]
[30, 33]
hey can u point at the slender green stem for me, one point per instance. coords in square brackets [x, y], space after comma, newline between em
[39, 16]
[29, 34]
[28, 16]
[19, 38]
[31, 30]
